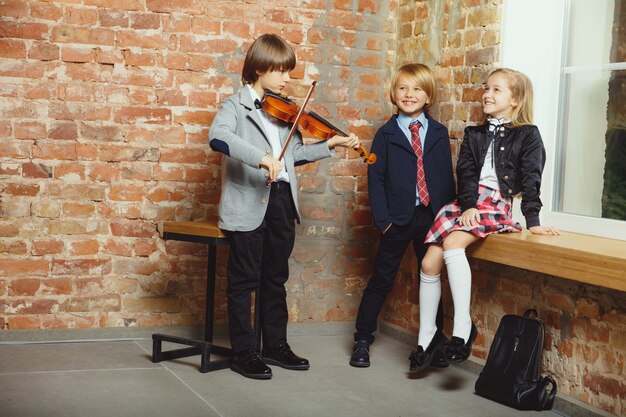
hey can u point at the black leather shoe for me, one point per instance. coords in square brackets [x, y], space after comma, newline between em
[360, 354]
[249, 364]
[439, 357]
[458, 350]
[421, 358]
[283, 356]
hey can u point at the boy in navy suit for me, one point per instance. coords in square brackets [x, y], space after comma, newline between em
[410, 181]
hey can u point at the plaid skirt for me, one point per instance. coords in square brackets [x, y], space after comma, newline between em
[494, 211]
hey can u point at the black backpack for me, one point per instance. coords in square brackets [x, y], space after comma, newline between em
[511, 373]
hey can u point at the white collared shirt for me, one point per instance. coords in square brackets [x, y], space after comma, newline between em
[272, 131]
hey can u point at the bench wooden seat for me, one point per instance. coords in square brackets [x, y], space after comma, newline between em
[584, 258]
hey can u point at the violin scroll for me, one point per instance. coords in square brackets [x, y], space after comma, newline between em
[368, 157]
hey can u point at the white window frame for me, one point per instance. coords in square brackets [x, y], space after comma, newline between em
[533, 42]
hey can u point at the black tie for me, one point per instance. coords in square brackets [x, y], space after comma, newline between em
[257, 104]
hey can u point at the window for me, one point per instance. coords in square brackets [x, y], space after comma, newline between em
[575, 56]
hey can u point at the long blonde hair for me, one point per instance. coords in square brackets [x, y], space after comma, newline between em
[522, 91]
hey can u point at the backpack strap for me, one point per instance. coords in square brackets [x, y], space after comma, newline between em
[530, 311]
[546, 398]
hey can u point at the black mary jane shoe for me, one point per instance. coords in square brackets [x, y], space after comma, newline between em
[421, 358]
[439, 357]
[249, 364]
[283, 356]
[458, 350]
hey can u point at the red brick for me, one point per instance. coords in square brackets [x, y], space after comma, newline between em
[80, 16]
[85, 247]
[110, 18]
[80, 267]
[127, 153]
[9, 230]
[23, 30]
[24, 287]
[132, 115]
[133, 229]
[209, 26]
[75, 34]
[176, 23]
[130, 39]
[12, 49]
[60, 151]
[126, 193]
[46, 247]
[23, 323]
[13, 8]
[34, 170]
[17, 267]
[183, 155]
[77, 54]
[12, 248]
[44, 51]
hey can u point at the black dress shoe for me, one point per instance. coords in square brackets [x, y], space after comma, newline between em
[360, 354]
[249, 364]
[421, 358]
[458, 349]
[283, 356]
[439, 357]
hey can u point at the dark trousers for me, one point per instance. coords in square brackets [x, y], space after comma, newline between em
[259, 259]
[391, 249]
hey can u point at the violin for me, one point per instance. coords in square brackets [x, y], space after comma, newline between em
[286, 110]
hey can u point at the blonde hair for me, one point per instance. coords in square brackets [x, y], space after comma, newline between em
[268, 52]
[424, 78]
[521, 91]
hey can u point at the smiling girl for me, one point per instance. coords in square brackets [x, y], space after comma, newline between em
[498, 160]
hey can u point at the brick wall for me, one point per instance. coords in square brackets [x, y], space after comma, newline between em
[104, 112]
[585, 346]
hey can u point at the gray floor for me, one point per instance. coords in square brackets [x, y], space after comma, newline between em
[117, 378]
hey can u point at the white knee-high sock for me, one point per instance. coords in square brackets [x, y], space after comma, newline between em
[430, 293]
[460, 276]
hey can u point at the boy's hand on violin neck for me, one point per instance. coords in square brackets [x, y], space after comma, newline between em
[272, 165]
[350, 141]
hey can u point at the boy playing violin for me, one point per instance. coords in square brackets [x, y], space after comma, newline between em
[259, 206]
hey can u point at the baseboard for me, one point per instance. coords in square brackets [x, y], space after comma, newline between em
[563, 404]
[107, 333]
[134, 333]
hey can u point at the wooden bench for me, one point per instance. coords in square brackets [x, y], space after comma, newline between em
[199, 232]
[584, 258]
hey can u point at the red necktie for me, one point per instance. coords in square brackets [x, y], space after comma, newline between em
[422, 188]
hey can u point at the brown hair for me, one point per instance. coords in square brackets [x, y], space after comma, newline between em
[424, 78]
[268, 52]
[521, 91]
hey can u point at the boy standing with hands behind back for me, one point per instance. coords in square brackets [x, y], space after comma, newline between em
[410, 181]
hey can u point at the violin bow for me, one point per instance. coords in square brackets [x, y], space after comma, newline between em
[294, 126]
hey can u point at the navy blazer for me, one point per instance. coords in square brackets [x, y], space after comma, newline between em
[392, 179]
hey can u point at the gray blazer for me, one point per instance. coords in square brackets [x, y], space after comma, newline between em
[237, 132]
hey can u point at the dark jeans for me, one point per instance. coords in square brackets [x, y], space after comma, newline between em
[391, 249]
[259, 259]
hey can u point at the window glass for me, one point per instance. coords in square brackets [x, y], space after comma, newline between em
[591, 147]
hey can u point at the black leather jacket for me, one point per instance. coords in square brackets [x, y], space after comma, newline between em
[519, 158]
